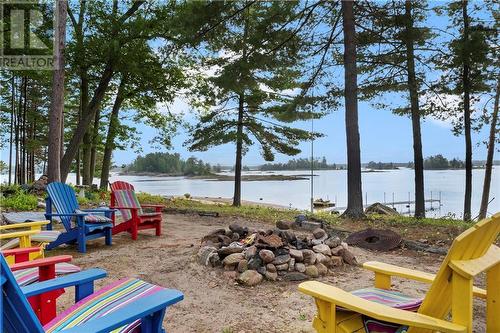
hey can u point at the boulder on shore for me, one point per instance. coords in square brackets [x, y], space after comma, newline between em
[378, 208]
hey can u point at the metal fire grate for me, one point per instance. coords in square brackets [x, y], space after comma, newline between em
[375, 239]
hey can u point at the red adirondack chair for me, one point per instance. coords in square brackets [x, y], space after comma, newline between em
[134, 218]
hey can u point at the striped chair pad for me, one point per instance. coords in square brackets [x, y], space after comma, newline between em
[93, 218]
[127, 198]
[28, 276]
[44, 236]
[390, 298]
[105, 301]
[378, 326]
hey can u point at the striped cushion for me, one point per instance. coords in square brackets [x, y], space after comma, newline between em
[45, 236]
[390, 298]
[106, 300]
[377, 326]
[28, 276]
[127, 198]
[93, 218]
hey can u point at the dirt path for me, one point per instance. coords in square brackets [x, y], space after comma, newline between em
[215, 304]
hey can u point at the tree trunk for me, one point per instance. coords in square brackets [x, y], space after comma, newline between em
[239, 153]
[354, 192]
[24, 168]
[86, 146]
[94, 142]
[86, 119]
[57, 104]
[489, 160]
[418, 158]
[110, 137]
[467, 120]
[77, 166]
[19, 146]
[12, 114]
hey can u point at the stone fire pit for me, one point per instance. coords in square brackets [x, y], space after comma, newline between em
[249, 256]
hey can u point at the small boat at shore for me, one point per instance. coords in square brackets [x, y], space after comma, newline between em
[320, 203]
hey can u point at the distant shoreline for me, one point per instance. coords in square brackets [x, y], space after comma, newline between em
[218, 177]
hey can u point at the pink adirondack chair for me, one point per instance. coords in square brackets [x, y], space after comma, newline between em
[134, 218]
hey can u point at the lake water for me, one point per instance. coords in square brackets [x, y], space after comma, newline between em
[332, 185]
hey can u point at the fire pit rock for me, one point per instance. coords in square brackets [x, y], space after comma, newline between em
[274, 254]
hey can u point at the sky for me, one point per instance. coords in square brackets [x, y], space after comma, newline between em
[384, 136]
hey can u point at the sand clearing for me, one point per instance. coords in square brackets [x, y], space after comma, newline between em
[215, 304]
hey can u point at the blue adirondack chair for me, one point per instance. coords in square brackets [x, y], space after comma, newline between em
[125, 305]
[88, 223]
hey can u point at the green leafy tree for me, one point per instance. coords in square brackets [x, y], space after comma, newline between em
[250, 98]
[464, 66]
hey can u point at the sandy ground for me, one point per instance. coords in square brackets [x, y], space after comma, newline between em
[215, 304]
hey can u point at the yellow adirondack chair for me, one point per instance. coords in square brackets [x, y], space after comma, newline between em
[451, 290]
[24, 235]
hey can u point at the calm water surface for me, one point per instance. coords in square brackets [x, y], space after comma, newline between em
[332, 185]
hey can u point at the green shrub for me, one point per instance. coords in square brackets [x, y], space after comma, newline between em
[10, 190]
[20, 201]
[147, 198]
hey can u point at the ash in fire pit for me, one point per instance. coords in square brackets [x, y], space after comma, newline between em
[274, 254]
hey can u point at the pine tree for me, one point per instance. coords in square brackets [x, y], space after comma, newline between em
[464, 67]
[250, 98]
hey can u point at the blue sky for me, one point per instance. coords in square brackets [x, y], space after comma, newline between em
[384, 137]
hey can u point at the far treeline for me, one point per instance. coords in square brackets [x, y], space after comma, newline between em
[169, 164]
[250, 70]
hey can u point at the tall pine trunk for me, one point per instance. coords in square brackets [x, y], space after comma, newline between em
[57, 103]
[239, 153]
[110, 137]
[418, 158]
[85, 149]
[354, 191]
[467, 120]
[94, 142]
[489, 160]
[12, 114]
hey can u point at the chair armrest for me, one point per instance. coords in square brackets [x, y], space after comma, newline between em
[70, 214]
[96, 210]
[75, 279]
[391, 270]
[20, 251]
[21, 254]
[152, 206]
[17, 234]
[378, 311]
[40, 262]
[137, 309]
[124, 207]
[35, 224]
[411, 274]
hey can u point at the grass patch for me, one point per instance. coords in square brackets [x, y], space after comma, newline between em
[20, 201]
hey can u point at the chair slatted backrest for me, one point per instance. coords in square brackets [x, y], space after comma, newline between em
[63, 198]
[17, 315]
[126, 198]
[121, 185]
[471, 244]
